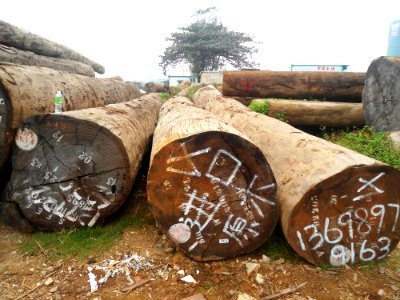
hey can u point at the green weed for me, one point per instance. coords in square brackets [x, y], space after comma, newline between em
[165, 96]
[277, 247]
[82, 242]
[260, 107]
[368, 142]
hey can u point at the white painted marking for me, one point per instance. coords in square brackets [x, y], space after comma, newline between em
[340, 255]
[218, 155]
[94, 219]
[180, 233]
[2, 101]
[361, 197]
[66, 188]
[265, 187]
[26, 139]
[193, 246]
[194, 172]
[193, 154]
[397, 206]
[370, 183]
[223, 241]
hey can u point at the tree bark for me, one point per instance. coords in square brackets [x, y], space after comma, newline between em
[381, 95]
[339, 86]
[75, 168]
[316, 113]
[14, 36]
[27, 91]
[21, 57]
[337, 206]
[211, 190]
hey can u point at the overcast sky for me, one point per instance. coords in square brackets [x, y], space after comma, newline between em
[127, 37]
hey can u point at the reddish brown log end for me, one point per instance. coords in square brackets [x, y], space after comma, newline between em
[213, 194]
[67, 172]
[351, 217]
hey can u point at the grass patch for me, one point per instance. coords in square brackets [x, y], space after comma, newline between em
[82, 242]
[368, 142]
[260, 107]
[165, 96]
[192, 90]
[277, 247]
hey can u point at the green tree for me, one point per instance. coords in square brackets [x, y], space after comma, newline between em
[207, 45]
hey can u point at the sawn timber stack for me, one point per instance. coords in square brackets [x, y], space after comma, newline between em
[337, 206]
[211, 189]
[26, 91]
[75, 168]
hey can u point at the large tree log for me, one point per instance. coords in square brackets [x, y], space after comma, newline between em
[14, 36]
[27, 91]
[74, 169]
[339, 86]
[21, 57]
[381, 95]
[211, 190]
[337, 206]
[316, 113]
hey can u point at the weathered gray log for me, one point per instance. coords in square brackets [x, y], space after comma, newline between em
[336, 86]
[337, 206]
[74, 169]
[316, 113]
[28, 90]
[14, 36]
[211, 190]
[22, 57]
[381, 95]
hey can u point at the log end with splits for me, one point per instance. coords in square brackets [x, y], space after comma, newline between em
[67, 172]
[213, 194]
[351, 217]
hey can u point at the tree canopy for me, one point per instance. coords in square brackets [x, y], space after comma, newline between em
[207, 45]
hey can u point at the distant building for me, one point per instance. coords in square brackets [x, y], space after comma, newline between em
[175, 80]
[319, 68]
[211, 77]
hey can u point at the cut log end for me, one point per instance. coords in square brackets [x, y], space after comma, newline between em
[67, 172]
[349, 218]
[213, 195]
[5, 133]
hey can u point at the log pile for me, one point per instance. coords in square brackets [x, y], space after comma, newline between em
[211, 190]
[75, 168]
[31, 49]
[312, 113]
[337, 206]
[26, 91]
[330, 86]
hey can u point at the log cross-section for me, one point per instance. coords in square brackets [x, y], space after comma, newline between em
[211, 190]
[27, 90]
[75, 168]
[337, 206]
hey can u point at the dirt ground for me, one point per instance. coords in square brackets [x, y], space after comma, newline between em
[27, 276]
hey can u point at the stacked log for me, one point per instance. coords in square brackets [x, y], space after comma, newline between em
[337, 206]
[211, 190]
[339, 86]
[314, 113]
[19, 38]
[381, 95]
[20, 57]
[76, 168]
[27, 91]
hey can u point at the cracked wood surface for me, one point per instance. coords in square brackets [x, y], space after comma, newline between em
[28, 90]
[211, 190]
[337, 206]
[75, 168]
